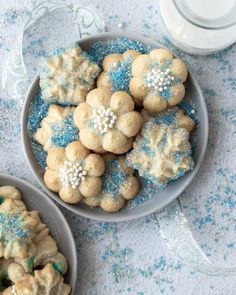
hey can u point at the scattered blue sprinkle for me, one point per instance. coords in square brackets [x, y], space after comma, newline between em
[101, 49]
[37, 111]
[120, 77]
[11, 228]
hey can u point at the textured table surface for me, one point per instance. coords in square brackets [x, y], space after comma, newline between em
[132, 258]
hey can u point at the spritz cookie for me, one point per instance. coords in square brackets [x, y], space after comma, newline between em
[17, 226]
[74, 172]
[46, 281]
[45, 250]
[172, 116]
[24, 238]
[157, 80]
[67, 76]
[118, 185]
[116, 73]
[57, 129]
[108, 122]
[161, 153]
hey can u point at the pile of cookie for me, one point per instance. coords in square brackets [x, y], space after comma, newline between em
[30, 262]
[128, 124]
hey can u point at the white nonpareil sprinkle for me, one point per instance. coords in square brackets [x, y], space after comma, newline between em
[104, 119]
[159, 80]
[14, 292]
[72, 174]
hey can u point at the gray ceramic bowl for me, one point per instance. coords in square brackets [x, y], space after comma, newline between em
[52, 216]
[157, 202]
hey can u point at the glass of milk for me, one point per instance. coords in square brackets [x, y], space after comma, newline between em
[200, 26]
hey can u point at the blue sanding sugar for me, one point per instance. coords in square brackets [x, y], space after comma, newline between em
[11, 227]
[191, 110]
[144, 147]
[147, 191]
[66, 133]
[167, 117]
[113, 177]
[63, 135]
[100, 49]
[37, 111]
[120, 77]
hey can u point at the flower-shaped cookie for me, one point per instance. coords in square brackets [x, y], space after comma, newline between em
[46, 281]
[107, 122]
[57, 128]
[74, 172]
[157, 80]
[67, 76]
[172, 116]
[116, 73]
[161, 153]
[118, 184]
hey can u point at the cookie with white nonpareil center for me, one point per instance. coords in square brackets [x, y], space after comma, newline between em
[74, 172]
[157, 80]
[107, 122]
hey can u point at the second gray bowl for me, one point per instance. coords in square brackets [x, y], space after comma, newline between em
[161, 199]
[34, 199]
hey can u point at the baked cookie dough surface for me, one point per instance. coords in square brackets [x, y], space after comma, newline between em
[118, 185]
[46, 281]
[26, 244]
[107, 121]
[157, 80]
[74, 172]
[57, 129]
[116, 73]
[67, 76]
[161, 153]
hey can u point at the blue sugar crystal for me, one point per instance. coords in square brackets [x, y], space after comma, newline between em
[66, 134]
[101, 49]
[61, 135]
[167, 117]
[11, 228]
[147, 191]
[143, 146]
[190, 110]
[37, 111]
[120, 77]
[113, 178]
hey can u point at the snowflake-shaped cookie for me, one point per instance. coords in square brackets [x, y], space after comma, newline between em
[107, 121]
[74, 172]
[116, 73]
[157, 80]
[67, 76]
[46, 281]
[118, 185]
[57, 128]
[161, 153]
[172, 116]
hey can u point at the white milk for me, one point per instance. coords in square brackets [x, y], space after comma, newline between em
[200, 26]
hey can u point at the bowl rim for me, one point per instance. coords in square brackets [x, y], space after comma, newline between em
[12, 180]
[109, 217]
